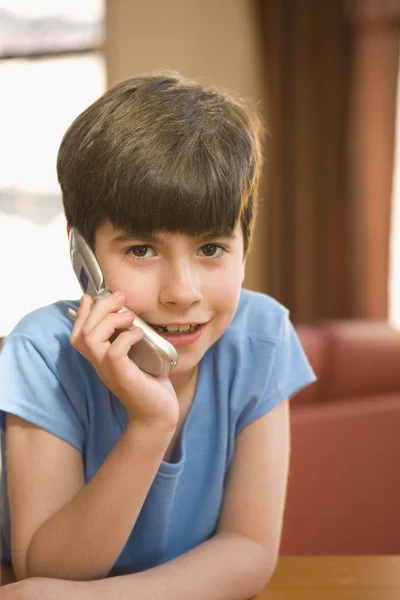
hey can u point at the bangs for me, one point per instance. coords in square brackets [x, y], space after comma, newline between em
[188, 191]
[194, 216]
[192, 207]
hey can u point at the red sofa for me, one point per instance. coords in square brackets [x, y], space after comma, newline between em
[344, 482]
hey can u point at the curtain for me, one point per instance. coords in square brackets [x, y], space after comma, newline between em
[331, 79]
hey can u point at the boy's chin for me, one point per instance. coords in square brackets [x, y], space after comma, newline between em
[186, 365]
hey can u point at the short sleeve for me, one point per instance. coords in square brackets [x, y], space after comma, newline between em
[286, 370]
[31, 387]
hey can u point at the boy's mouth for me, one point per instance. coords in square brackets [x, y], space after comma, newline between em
[176, 329]
[182, 335]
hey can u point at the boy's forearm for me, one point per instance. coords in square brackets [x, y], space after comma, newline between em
[226, 567]
[83, 540]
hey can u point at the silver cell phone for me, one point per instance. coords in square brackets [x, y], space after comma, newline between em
[152, 354]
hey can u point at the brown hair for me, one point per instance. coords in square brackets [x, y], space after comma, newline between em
[162, 153]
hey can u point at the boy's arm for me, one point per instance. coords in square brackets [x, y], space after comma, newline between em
[238, 561]
[62, 528]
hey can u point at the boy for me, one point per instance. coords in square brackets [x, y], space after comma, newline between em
[174, 486]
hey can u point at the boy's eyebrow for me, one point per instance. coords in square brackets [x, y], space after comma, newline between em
[152, 237]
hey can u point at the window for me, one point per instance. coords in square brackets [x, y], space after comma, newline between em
[51, 68]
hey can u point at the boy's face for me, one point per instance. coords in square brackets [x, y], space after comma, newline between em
[176, 279]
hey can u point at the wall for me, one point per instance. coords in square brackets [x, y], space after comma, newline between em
[213, 40]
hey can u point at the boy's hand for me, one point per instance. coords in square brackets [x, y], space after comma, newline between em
[43, 588]
[148, 400]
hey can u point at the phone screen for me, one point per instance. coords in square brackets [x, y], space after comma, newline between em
[84, 279]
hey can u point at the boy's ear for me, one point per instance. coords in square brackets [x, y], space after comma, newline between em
[243, 269]
[68, 229]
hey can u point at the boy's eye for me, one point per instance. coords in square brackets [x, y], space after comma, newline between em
[141, 251]
[213, 250]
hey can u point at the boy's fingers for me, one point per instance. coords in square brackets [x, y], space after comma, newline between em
[98, 338]
[123, 343]
[85, 305]
[100, 308]
[84, 309]
[80, 316]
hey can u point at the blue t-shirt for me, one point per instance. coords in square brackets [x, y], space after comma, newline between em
[254, 365]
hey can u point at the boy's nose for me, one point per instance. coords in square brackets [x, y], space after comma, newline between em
[182, 287]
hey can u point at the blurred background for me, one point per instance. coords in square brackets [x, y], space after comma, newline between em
[324, 77]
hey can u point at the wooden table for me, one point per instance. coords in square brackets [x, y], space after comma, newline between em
[324, 578]
[335, 578]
